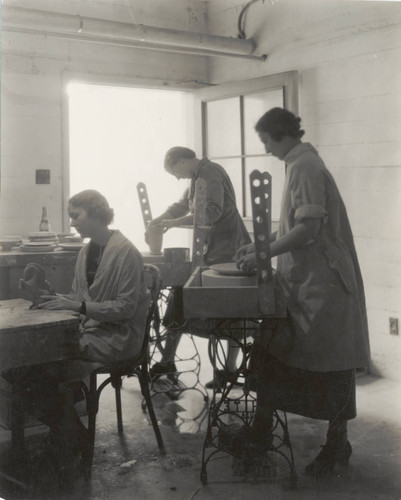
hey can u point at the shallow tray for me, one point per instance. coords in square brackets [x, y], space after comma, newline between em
[228, 269]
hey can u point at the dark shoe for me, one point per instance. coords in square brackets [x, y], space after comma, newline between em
[327, 460]
[218, 381]
[221, 377]
[163, 368]
[242, 442]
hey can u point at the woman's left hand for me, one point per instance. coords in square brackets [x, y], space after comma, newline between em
[58, 302]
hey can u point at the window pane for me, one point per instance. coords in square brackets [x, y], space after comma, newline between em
[255, 105]
[223, 128]
[276, 169]
[233, 169]
[116, 126]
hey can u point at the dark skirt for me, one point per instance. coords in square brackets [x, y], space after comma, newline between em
[320, 395]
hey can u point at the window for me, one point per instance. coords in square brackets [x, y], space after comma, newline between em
[118, 136]
[229, 115]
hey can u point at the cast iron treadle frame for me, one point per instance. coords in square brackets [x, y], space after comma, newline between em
[241, 408]
[171, 384]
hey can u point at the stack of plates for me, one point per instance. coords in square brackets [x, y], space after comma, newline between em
[42, 241]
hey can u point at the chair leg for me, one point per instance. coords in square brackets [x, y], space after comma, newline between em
[116, 383]
[17, 423]
[143, 377]
[92, 408]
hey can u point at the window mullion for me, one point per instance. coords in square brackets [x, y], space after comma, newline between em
[243, 160]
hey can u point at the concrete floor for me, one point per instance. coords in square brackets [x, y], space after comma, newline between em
[130, 466]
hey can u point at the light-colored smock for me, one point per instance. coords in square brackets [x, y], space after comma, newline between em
[228, 232]
[116, 302]
[322, 280]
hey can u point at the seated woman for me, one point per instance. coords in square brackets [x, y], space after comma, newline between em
[109, 292]
[307, 365]
[108, 288]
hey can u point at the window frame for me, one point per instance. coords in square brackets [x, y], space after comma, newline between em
[287, 81]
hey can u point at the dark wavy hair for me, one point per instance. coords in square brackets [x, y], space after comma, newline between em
[174, 155]
[278, 123]
[95, 204]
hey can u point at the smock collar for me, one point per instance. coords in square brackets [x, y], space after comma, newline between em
[303, 147]
[200, 165]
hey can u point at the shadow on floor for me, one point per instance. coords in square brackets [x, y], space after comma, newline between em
[130, 465]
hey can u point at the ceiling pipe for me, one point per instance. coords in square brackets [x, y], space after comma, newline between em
[31, 21]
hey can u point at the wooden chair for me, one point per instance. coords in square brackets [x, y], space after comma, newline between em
[115, 372]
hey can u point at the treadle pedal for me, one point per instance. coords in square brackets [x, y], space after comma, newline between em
[264, 467]
[170, 388]
[176, 390]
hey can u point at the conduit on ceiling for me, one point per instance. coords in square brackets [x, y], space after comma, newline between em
[86, 29]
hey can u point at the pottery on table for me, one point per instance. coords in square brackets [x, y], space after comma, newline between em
[176, 255]
[155, 239]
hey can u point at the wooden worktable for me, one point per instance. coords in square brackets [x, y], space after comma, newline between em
[29, 337]
[59, 267]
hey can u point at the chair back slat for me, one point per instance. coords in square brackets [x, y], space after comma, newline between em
[153, 282]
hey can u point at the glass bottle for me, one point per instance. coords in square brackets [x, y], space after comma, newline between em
[44, 223]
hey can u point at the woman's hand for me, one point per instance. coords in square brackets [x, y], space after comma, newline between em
[168, 224]
[244, 250]
[153, 223]
[247, 263]
[59, 302]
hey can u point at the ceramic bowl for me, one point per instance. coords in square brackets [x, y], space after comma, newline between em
[8, 242]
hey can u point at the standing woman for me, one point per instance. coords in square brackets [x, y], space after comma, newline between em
[308, 363]
[227, 234]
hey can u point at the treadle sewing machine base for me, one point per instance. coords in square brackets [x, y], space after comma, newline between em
[171, 383]
[228, 409]
[235, 407]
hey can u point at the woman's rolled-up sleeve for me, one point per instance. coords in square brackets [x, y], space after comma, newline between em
[179, 208]
[310, 212]
[308, 195]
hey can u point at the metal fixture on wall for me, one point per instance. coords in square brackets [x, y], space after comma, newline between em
[85, 29]
[241, 30]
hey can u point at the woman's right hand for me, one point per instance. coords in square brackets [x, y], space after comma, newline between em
[247, 263]
[154, 222]
[244, 250]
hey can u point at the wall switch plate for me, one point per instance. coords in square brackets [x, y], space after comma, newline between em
[394, 326]
[42, 176]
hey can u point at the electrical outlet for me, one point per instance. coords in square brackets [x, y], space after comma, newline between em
[394, 326]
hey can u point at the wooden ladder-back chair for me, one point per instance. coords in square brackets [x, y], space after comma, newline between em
[130, 367]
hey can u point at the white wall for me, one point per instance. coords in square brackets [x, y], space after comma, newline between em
[34, 74]
[348, 55]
